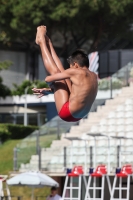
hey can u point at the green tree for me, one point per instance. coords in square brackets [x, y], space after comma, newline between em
[20, 89]
[4, 90]
[77, 21]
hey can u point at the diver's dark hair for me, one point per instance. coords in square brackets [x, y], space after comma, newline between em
[80, 57]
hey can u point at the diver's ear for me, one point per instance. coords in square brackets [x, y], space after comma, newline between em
[76, 65]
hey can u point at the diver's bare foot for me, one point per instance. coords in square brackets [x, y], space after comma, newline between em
[41, 32]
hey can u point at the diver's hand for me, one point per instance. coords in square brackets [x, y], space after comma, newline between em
[41, 92]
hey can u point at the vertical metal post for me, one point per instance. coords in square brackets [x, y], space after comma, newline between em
[127, 76]
[15, 159]
[79, 189]
[118, 159]
[85, 157]
[94, 183]
[128, 186]
[108, 154]
[94, 160]
[91, 156]
[14, 118]
[120, 154]
[102, 190]
[25, 107]
[65, 158]
[39, 161]
[72, 155]
[120, 186]
[38, 148]
[111, 96]
[38, 119]
[37, 141]
[25, 111]
[58, 129]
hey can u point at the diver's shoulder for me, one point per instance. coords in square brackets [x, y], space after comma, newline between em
[93, 74]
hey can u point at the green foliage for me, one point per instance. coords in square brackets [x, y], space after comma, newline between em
[4, 132]
[92, 19]
[12, 131]
[104, 84]
[6, 156]
[131, 73]
[20, 89]
[5, 64]
[4, 38]
[4, 90]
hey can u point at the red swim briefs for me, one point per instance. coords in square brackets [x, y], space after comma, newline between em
[66, 115]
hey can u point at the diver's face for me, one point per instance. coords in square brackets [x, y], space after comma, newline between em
[53, 192]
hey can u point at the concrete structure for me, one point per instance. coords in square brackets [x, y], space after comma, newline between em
[39, 111]
[113, 119]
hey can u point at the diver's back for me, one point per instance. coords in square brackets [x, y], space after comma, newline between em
[84, 90]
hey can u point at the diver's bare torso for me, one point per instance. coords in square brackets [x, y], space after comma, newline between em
[84, 90]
